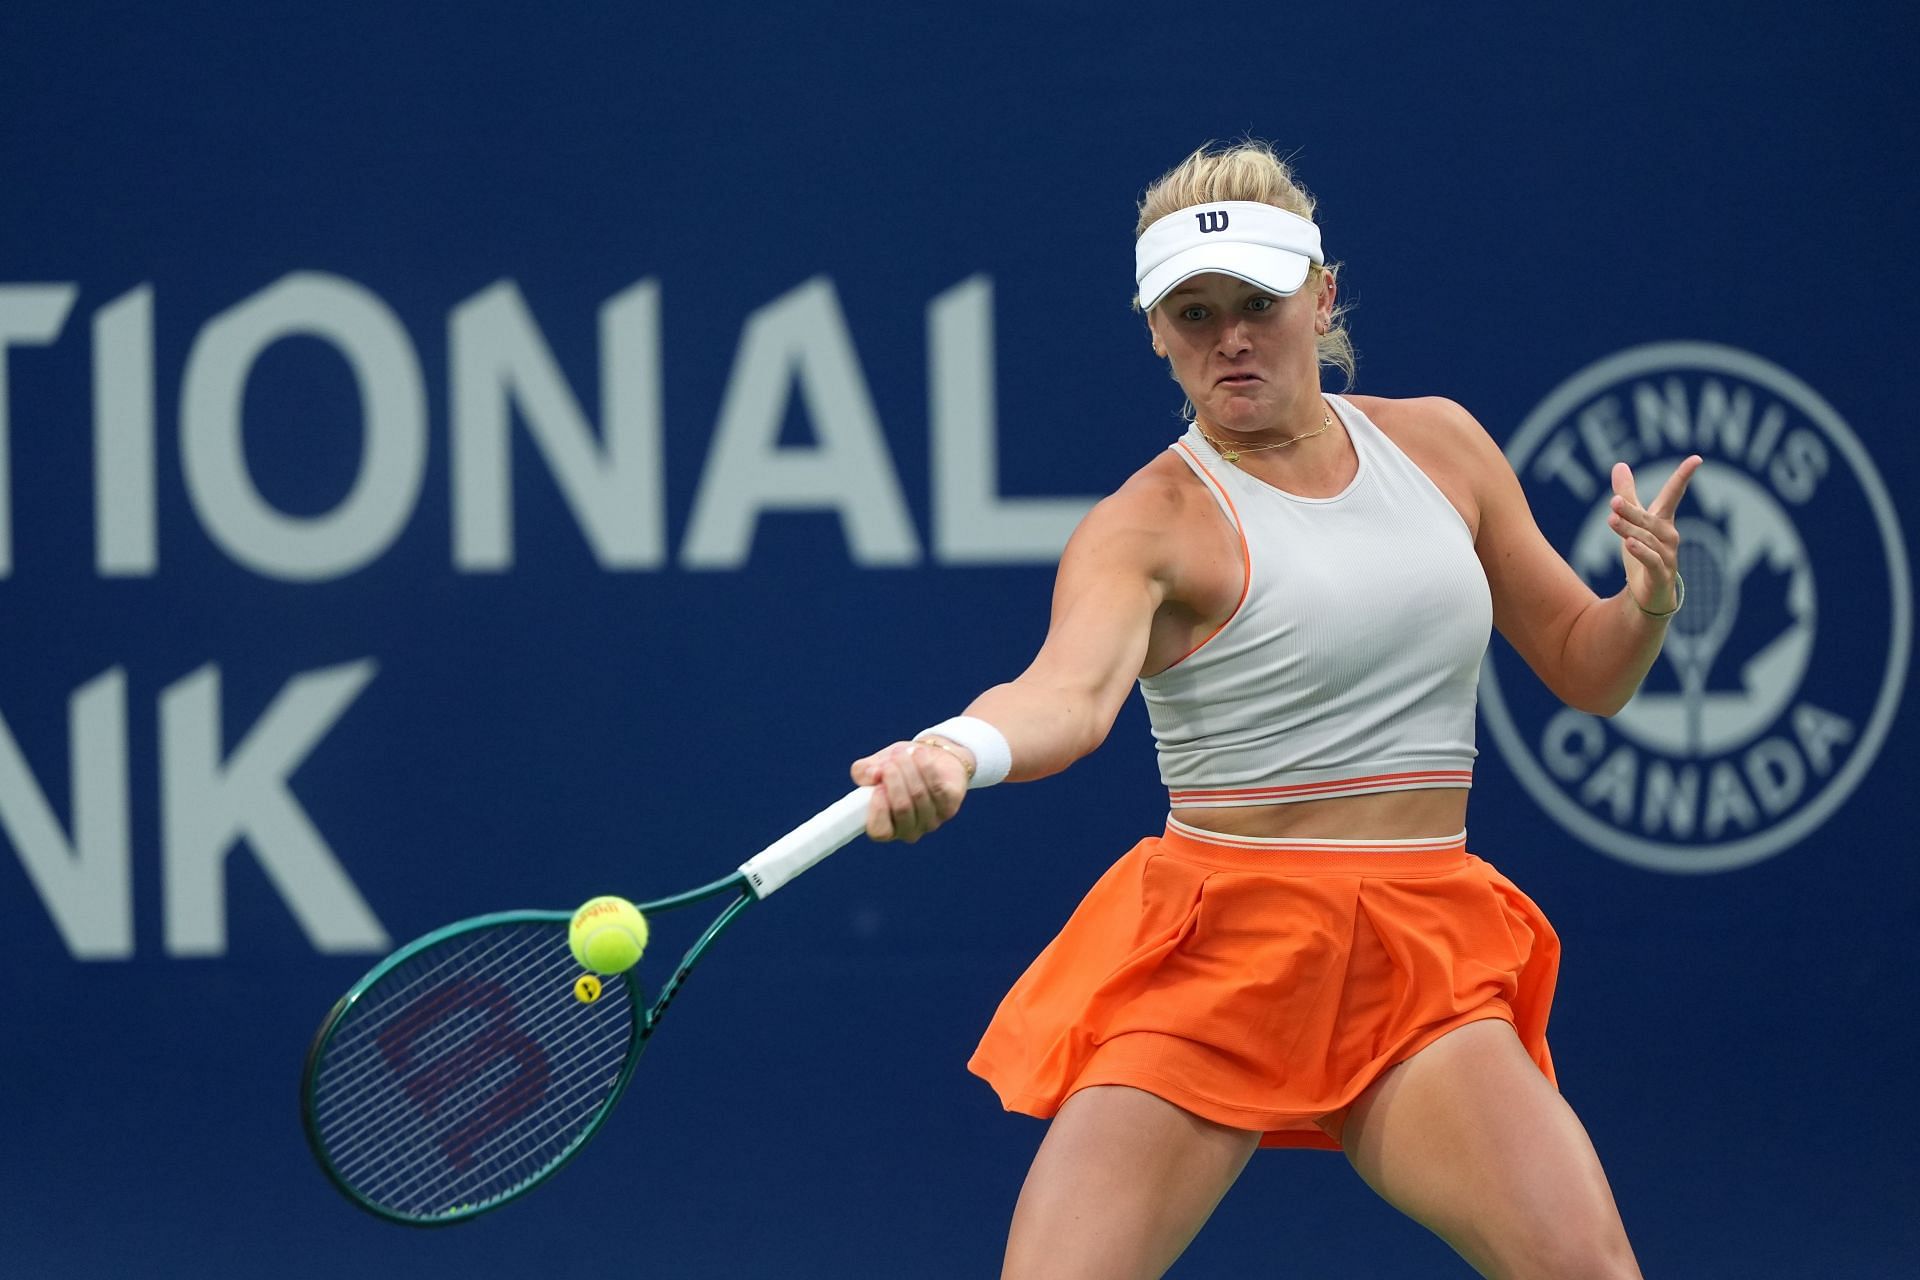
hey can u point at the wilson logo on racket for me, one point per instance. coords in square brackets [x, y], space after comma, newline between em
[1212, 219]
[493, 1049]
[470, 1065]
[1760, 716]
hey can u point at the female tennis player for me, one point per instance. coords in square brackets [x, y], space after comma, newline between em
[1303, 586]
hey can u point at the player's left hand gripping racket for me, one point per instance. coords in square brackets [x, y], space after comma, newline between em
[470, 1065]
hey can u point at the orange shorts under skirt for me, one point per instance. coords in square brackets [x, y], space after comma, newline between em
[1265, 987]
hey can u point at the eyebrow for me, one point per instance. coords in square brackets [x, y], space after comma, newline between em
[1191, 290]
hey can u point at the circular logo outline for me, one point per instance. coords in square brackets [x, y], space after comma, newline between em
[1760, 845]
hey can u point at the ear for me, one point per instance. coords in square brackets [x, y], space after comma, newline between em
[1153, 331]
[1323, 302]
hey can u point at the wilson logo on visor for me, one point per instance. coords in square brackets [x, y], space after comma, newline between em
[1212, 219]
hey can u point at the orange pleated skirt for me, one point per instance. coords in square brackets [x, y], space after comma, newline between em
[1265, 986]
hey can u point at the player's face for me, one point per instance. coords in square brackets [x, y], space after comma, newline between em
[1244, 356]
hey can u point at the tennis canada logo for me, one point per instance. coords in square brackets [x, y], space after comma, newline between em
[1782, 671]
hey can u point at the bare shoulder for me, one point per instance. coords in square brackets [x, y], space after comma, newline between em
[1448, 443]
[1163, 524]
[1427, 423]
[1159, 499]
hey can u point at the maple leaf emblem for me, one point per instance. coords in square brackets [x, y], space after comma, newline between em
[1763, 616]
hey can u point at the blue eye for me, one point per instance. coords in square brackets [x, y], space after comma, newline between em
[1193, 313]
[1260, 303]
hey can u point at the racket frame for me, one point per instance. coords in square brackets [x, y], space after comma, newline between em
[645, 1019]
[756, 879]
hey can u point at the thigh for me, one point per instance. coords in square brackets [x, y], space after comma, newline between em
[1122, 1183]
[1468, 1138]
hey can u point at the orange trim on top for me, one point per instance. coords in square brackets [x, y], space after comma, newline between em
[1376, 781]
[1246, 555]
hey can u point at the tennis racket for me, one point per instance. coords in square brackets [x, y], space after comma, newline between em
[472, 1064]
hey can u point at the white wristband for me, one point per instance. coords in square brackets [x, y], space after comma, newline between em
[992, 757]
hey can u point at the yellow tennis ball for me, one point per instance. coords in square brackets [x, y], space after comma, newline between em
[607, 935]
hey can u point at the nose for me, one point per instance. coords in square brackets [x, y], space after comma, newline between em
[1234, 337]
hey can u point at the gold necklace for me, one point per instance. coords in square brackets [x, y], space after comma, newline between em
[1231, 453]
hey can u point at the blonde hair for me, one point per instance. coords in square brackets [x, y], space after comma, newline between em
[1248, 170]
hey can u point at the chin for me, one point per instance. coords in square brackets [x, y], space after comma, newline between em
[1239, 413]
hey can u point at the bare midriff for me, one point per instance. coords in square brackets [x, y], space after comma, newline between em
[1389, 815]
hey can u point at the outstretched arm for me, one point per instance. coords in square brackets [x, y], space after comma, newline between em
[1112, 578]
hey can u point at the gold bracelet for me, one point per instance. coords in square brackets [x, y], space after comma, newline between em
[1679, 598]
[950, 750]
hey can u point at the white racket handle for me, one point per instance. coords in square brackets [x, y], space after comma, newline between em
[827, 831]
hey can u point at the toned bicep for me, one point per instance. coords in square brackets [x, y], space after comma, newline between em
[1107, 590]
[1103, 606]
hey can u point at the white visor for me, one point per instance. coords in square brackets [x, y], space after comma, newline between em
[1245, 239]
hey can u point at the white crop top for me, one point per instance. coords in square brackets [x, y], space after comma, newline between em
[1352, 662]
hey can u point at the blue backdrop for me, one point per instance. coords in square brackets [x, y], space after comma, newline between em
[459, 457]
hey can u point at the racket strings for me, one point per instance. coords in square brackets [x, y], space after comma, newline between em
[411, 1135]
[398, 1141]
[522, 1153]
[467, 1071]
[353, 1060]
[490, 1084]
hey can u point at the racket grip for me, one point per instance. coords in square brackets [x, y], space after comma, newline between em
[807, 844]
